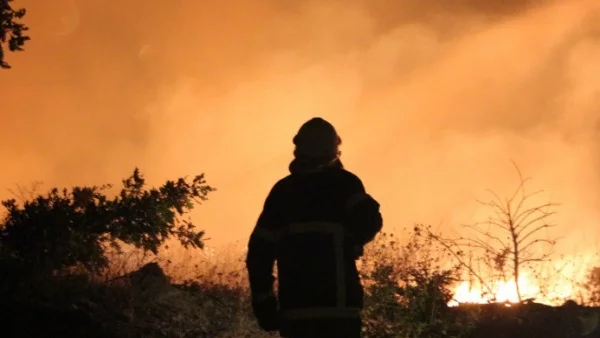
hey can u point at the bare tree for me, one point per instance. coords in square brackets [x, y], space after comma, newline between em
[510, 235]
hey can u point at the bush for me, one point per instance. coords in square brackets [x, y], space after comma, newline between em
[407, 288]
[54, 233]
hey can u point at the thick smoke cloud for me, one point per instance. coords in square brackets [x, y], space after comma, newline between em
[431, 98]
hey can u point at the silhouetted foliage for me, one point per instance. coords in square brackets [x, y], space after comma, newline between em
[408, 288]
[12, 32]
[593, 286]
[64, 229]
[408, 280]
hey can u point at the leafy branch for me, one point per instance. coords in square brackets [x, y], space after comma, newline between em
[67, 228]
[12, 32]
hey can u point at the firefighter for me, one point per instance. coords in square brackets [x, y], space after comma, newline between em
[314, 224]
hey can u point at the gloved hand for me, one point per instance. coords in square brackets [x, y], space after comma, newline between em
[266, 313]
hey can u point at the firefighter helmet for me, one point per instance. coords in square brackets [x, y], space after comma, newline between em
[317, 139]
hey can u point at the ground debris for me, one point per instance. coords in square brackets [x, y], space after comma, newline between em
[530, 320]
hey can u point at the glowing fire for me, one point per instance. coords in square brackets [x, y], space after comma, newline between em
[504, 291]
[559, 284]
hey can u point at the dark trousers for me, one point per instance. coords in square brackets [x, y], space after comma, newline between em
[322, 328]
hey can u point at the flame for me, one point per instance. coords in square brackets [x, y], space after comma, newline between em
[503, 291]
[564, 280]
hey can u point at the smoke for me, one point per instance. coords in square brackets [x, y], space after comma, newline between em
[431, 99]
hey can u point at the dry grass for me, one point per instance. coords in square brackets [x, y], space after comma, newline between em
[208, 289]
[206, 293]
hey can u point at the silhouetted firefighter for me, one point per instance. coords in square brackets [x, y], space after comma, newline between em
[314, 223]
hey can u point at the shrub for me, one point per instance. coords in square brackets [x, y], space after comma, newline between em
[407, 288]
[61, 230]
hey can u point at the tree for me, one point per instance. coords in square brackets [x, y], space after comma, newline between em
[509, 236]
[68, 228]
[12, 32]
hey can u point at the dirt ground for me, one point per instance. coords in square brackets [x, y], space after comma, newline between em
[531, 320]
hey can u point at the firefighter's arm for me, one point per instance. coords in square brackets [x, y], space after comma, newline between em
[259, 262]
[364, 216]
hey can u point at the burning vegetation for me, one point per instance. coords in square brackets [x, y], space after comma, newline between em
[81, 263]
[95, 262]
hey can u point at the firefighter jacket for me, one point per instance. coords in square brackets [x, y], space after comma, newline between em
[314, 225]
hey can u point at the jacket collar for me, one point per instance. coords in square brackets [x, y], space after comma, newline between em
[306, 165]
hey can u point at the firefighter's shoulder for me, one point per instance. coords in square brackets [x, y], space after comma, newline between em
[351, 180]
[281, 185]
[356, 192]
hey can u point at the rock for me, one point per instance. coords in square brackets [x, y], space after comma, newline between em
[149, 276]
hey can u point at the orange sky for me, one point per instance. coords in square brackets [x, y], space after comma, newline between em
[431, 101]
